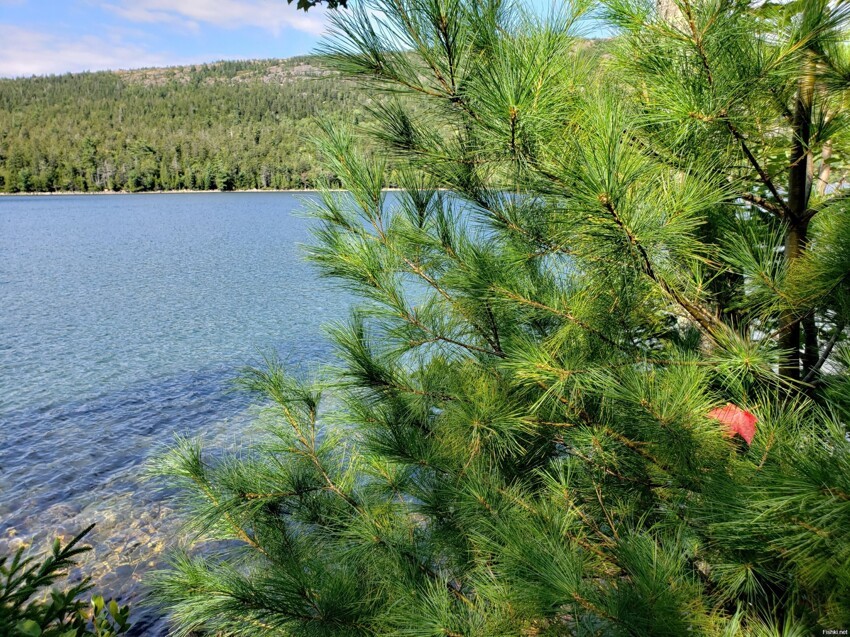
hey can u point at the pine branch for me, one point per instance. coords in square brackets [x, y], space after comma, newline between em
[765, 178]
[565, 315]
[783, 329]
[709, 324]
[411, 318]
[703, 56]
[839, 328]
[492, 337]
[310, 452]
[764, 204]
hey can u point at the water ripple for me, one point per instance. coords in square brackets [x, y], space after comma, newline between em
[124, 319]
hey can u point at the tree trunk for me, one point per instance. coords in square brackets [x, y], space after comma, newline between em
[788, 321]
[799, 189]
[825, 168]
[811, 352]
[811, 348]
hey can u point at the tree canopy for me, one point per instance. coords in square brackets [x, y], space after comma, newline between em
[597, 383]
[228, 125]
[308, 4]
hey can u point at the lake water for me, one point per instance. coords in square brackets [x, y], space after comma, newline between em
[124, 318]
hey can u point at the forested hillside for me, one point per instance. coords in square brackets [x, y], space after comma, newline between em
[227, 125]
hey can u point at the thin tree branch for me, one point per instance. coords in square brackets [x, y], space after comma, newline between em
[563, 314]
[783, 329]
[839, 328]
[491, 338]
[761, 202]
[704, 319]
[765, 177]
[410, 318]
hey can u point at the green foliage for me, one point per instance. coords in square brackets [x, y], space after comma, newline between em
[308, 4]
[31, 607]
[520, 435]
[223, 126]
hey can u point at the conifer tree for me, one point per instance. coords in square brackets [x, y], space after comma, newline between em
[567, 403]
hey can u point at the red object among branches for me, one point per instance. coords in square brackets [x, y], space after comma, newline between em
[736, 421]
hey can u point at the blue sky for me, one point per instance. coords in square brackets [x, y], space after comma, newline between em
[39, 37]
[55, 36]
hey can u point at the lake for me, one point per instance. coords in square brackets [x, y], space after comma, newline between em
[124, 320]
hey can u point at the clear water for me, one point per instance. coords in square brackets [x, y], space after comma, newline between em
[123, 320]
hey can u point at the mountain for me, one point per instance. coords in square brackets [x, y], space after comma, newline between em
[226, 125]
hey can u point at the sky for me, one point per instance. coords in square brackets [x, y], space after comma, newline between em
[39, 37]
[42, 37]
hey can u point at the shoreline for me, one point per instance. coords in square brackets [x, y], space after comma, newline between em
[75, 193]
[65, 193]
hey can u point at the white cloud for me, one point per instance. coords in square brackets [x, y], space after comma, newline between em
[271, 15]
[27, 52]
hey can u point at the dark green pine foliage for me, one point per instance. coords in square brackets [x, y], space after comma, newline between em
[32, 606]
[587, 258]
[306, 5]
[228, 125]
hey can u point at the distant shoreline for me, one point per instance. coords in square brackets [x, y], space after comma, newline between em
[64, 193]
[157, 192]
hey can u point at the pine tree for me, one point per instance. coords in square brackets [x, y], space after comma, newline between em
[32, 606]
[566, 404]
[136, 121]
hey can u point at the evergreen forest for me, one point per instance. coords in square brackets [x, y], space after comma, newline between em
[225, 126]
